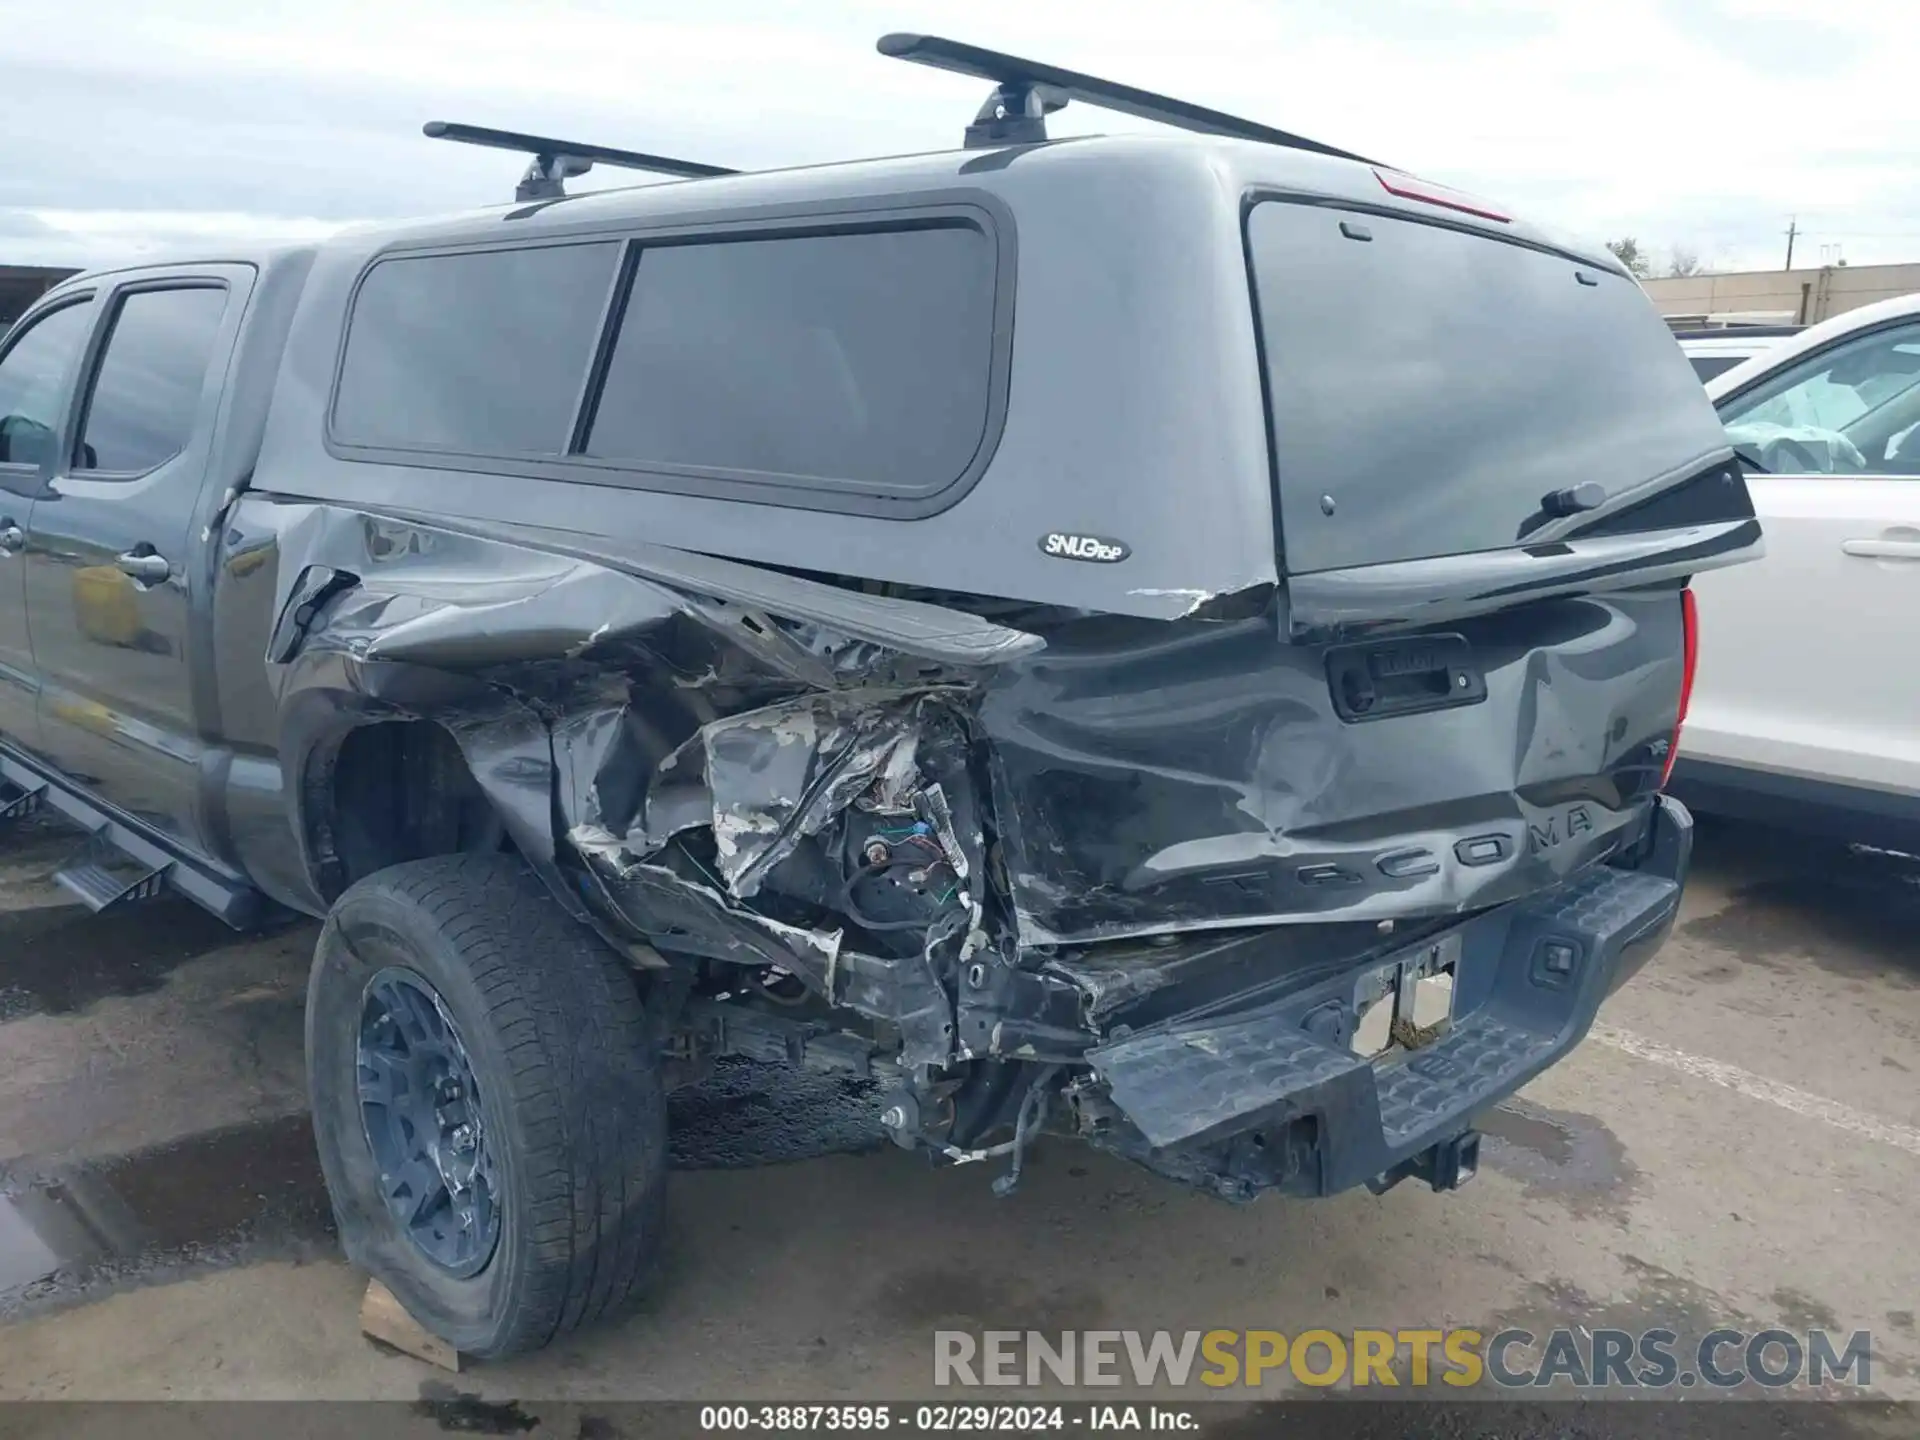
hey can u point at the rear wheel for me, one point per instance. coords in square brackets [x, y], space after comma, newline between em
[486, 1101]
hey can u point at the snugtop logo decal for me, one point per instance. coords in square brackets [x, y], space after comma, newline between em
[1083, 547]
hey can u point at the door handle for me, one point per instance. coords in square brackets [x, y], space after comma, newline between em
[1883, 549]
[150, 568]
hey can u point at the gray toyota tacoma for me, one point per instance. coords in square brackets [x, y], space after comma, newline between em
[1172, 640]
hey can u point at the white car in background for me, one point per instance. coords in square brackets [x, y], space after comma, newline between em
[1713, 352]
[1806, 707]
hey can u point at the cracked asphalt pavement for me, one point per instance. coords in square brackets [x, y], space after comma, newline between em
[1737, 1145]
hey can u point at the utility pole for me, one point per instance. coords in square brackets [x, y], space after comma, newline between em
[1793, 229]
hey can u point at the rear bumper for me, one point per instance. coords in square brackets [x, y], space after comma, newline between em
[1276, 1099]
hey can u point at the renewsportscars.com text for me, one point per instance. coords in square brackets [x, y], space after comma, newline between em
[1510, 1359]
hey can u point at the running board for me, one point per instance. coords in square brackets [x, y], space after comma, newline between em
[18, 802]
[124, 860]
[103, 875]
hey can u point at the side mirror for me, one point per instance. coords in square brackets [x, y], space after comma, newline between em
[24, 441]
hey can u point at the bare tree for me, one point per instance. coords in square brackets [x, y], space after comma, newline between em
[1628, 252]
[1683, 262]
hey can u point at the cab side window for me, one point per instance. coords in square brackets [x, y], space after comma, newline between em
[147, 386]
[1850, 410]
[33, 383]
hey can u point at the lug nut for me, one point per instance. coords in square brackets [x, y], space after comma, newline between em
[894, 1117]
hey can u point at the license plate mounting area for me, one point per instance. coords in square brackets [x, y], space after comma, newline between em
[1405, 1003]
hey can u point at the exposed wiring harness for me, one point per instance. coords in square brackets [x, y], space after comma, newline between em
[1033, 1110]
[866, 871]
[891, 842]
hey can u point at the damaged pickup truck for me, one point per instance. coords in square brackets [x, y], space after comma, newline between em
[1169, 641]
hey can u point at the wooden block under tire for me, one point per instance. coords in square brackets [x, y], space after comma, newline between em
[384, 1318]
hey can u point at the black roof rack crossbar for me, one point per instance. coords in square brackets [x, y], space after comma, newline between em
[1029, 90]
[555, 161]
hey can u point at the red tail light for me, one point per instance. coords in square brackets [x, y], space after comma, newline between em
[1409, 187]
[1689, 660]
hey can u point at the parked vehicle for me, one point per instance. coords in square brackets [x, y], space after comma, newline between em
[1806, 709]
[667, 623]
[1717, 350]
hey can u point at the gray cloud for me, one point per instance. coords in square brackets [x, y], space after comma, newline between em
[1638, 119]
[24, 224]
[1772, 46]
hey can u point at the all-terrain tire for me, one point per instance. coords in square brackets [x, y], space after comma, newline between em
[568, 1081]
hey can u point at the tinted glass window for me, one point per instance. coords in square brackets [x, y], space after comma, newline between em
[1708, 366]
[33, 379]
[859, 358]
[1435, 384]
[146, 389]
[481, 353]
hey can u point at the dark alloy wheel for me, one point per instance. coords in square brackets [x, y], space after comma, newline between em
[425, 1125]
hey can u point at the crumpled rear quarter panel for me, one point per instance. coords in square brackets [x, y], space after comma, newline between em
[1101, 778]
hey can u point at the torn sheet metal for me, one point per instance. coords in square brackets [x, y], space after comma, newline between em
[685, 769]
[776, 775]
[970, 833]
[757, 787]
[687, 916]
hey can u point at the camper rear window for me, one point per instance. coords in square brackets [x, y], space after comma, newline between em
[1430, 385]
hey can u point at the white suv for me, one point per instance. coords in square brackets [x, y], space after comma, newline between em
[1714, 352]
[1807, 706]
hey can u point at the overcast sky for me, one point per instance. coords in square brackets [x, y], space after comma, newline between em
[130, 125]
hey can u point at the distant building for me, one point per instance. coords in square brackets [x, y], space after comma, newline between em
[1790, 297]
[21, 285]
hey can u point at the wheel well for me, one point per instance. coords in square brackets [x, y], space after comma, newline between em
[395, 791]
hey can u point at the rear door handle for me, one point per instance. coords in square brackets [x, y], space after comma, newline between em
[1883, 549]
[150, 568]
